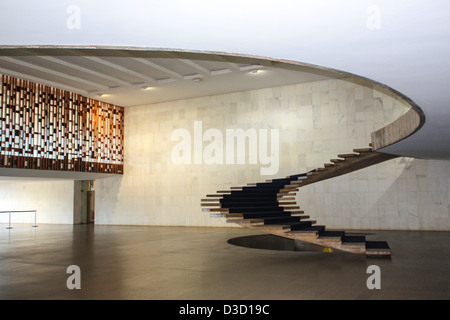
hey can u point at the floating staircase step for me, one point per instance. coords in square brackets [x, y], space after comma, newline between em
[255, 209]
[215, 210]
[249, 200]
[278, 181]
[337, 160]
[286, 198]
[219, 215]
[270, 187]
[331, 234]
[278, 227]
[286, 202]
[274, 182]
[288, 190]
[377, 245]
[353, 239]
[281, 220]
[253, 194]
[258, 191]
[299, 181]
[327, 165]
[297, 176]
[243, 204]
[232, 215]
[290, 208]
[348, 155]
[301, 226]
[251, 191]
[231, 200]
[288, 225]
[362, 150]
[250, 195]
[286, 193]
[307, 229]
[254, 190]
[377, 248]
[291, 186]
[210, 204]
[296, 212]
[262, 215]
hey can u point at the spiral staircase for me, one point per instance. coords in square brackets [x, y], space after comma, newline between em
[271, 207]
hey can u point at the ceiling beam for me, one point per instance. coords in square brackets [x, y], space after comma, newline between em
[234, 66]
[220, 71]
[193, 76]
[173, 76]
[201, 69]
[42, 81]
[53, 72]
[120, 68]
[251, 67]
[87, 70]
[160, 68]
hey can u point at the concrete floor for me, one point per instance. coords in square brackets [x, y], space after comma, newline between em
[174, 263]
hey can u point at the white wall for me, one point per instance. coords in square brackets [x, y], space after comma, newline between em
[401, 194]
[53, 200]
[316, 121]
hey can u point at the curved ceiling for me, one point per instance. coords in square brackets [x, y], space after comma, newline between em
[139, 76]
[131, 77]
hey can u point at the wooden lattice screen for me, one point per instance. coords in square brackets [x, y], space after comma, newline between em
[52, 129]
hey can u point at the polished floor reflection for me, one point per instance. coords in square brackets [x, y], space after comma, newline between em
[174, 263]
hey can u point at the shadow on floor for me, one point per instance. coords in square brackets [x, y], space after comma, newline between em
[272, 242]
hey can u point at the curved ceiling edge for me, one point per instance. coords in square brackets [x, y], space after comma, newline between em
[400, 129]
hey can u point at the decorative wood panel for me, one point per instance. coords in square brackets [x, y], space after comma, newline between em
[52, 129]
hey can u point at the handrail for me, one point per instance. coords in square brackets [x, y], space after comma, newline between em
[401, 128]
[398, 130]
[11, 211]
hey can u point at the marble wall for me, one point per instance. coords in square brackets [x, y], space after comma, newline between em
[173, 155]
[401, 194]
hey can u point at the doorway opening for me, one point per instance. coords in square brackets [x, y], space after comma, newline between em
[91, 202]
[84, 202]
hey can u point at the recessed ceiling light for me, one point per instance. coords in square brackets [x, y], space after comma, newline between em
[255, 71]
[147, 88]
[196, 79]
